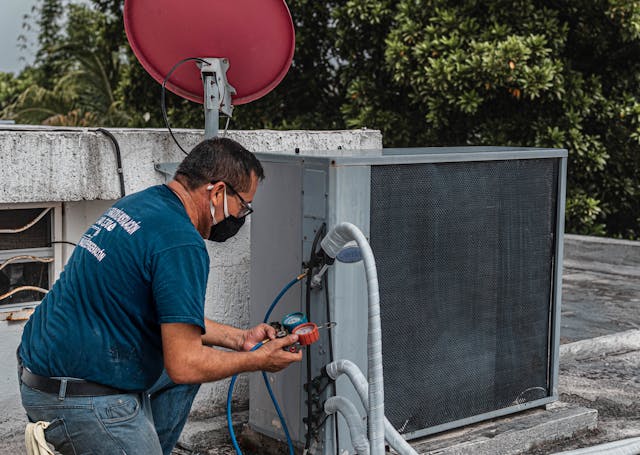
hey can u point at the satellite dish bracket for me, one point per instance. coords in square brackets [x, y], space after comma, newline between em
[217, 93]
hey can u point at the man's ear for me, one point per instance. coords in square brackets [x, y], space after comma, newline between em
[215, 188]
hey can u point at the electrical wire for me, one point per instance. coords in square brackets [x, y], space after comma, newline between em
[28, 225]
[224, 134]
[163, 104]
[21, 257]
[23, 128]
[232, 433]
[23, 288]
[116, 146]
[75, 130]
[63, 241]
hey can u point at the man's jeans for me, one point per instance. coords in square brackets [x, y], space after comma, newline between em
[132, 424]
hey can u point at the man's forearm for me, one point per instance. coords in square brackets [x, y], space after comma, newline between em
[188, 361]
[207, 364]
[222, 335]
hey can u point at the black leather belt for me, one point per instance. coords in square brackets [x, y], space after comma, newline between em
[74, 387]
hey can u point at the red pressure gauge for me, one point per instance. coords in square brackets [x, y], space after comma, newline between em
[307, 333]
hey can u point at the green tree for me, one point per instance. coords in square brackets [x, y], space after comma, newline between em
[530, 73]
[49, 15]
[308, 96]
[425, 72]
[77, 76]
[12, 86]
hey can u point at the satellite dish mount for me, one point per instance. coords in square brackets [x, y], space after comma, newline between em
[248, 42]
[217, 93]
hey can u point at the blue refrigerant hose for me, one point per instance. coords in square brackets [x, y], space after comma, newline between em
[264, 377]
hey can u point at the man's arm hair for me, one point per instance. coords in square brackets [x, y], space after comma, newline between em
[222, 335]
[188, 361]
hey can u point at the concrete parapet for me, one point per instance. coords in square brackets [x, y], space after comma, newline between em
[44, 164]
[602, 254]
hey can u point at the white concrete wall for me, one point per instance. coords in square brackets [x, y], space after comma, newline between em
[44, 164]
[76, 219]
[78, 167]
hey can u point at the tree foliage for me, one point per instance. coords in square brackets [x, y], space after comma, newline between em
[522, 73]
[77, 71]
[426, 72]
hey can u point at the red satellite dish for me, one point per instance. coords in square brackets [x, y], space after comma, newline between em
[256, 36]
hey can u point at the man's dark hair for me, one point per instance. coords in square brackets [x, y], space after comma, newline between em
[219, 159]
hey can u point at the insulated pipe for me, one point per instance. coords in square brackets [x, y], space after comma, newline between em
[354, 422]
[623, 447]
[339, 367]
[333, 242]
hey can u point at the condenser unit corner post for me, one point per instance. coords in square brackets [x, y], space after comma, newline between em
[468, 248]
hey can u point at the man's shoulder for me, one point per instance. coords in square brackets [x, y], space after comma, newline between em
[158, 193]
[155, 204]
[160, 216]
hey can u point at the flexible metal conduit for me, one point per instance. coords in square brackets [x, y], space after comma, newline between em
[354, 422]
[119, 169]
[339, 367]
[26, 226]
[24, 257]
[23, 288]
[334, 241]
[623, 447]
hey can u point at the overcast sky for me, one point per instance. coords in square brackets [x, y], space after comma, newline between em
[11, 12]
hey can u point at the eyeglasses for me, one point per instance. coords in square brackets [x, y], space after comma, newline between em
[245, 207]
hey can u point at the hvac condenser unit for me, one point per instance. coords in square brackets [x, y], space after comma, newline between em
[468, 248]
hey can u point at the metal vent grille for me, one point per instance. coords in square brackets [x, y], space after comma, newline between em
[465, 259]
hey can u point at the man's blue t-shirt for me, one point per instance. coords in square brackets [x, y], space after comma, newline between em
[141, 264]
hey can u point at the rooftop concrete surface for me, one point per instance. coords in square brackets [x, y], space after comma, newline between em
[600, 357]
[601, 287]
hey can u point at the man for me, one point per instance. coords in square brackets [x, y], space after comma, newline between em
[130, 302]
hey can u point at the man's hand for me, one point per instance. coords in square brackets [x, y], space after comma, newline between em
[274, 358]
[255, 335]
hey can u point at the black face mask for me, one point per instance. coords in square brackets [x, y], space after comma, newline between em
[226, 229]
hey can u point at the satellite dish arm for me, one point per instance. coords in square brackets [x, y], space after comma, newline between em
[217, 94]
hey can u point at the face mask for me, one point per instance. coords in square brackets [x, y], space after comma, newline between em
[228, 227]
